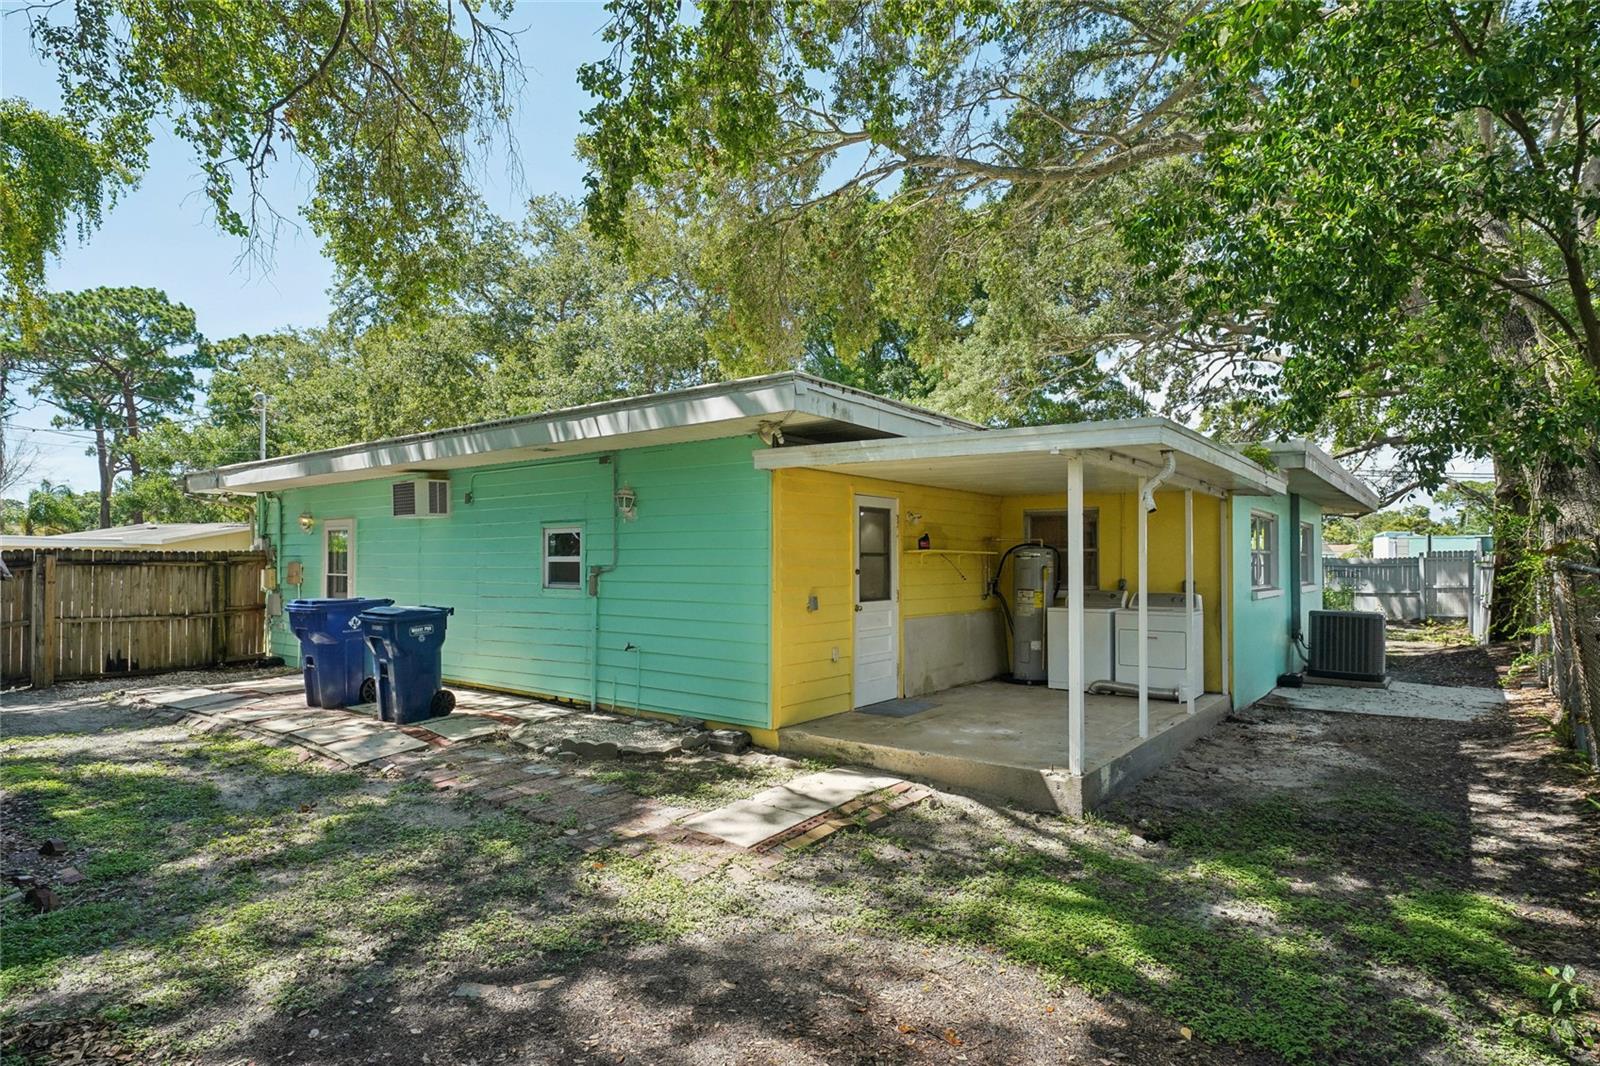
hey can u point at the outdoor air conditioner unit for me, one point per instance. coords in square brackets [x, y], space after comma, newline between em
[420, 497]
[1348, 646]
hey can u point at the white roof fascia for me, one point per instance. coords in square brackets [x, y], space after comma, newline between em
[1104, 440]
[1340, 491]
[589, 428]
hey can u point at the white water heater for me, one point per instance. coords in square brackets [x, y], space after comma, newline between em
[1033, 582]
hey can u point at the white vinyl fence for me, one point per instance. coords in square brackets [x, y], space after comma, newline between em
[1443, 585]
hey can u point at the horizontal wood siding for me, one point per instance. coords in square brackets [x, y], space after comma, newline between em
[682, 620]
[813, 541]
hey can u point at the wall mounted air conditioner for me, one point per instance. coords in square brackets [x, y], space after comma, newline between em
[420, 497]
[1348, 646]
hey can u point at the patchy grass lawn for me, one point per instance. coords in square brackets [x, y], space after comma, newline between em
[1243, 928]
[1295, 889]
[225, 881]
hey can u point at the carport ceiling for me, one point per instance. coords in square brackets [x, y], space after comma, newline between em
[1016, 462]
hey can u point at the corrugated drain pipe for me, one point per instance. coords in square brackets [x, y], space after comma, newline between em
[1168, 468]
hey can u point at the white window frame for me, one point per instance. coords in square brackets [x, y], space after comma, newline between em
[329, 527]
[1091, 541]
[545, 558]
[1270, 553]
[1310, 558]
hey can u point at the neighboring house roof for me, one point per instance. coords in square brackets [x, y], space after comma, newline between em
[1316, 475]
[172, 535]
[1032, 460]
[802, 407]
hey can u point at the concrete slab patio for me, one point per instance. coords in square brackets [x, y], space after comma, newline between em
[1011, 741]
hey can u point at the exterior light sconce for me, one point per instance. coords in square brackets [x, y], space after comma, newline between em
[308, 522]
[627, 503]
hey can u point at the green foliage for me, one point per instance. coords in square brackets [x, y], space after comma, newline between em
[383, 103]
[997, 141]
[112, 360]
[1417, 269]
[50, 172]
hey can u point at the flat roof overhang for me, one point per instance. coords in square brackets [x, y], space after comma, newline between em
[1316, 475]
[1016, 462]
[803, 406]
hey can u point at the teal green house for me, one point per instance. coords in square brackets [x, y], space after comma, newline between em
[778, 553]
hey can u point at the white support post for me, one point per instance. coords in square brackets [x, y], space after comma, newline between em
[1225, 593]
[1075, 680]
[1188, 573]
[1144, 613]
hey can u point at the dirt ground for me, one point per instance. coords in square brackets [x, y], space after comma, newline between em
[1256, 901]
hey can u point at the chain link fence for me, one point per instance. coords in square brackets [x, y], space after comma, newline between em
[1574, 662]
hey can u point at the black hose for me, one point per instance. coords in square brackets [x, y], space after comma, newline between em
[994, 583]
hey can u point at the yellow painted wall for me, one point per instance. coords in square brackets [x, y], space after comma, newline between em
[1119, 550]
[813, 523]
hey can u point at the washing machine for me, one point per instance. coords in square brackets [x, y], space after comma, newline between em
[1099, 637]
[1176, 645]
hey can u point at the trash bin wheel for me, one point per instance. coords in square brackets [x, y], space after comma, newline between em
[444, 701]
[369, 690]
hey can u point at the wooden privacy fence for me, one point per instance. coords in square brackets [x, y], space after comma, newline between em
[67, 614]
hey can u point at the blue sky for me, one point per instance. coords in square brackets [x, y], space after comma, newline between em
[160, 235]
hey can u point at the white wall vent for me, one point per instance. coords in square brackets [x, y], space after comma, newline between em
[420, 497]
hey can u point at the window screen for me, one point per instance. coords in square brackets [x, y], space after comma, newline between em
[875, 540]
[1051, 528]
[563, 557]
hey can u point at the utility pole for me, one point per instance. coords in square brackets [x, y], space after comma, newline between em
[261, 405]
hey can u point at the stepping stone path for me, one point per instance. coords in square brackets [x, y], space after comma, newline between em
[448, 754]
[773, 811]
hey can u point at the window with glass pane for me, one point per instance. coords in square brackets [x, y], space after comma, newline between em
[1050, 527]
[1263, 551]
[875, 540]
[563, 557]
[1308, 554]
[337, 573]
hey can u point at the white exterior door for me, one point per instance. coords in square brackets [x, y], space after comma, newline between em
[877, 614]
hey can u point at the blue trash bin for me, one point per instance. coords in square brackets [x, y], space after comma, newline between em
[406, 643]
[333, 651]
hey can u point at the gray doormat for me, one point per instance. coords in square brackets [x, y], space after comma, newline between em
[896, 708]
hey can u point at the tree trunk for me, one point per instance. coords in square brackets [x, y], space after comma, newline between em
[1510, 608]
[107, 475]
[130, 411]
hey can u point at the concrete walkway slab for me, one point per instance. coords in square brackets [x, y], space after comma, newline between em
[375, 746]
[772, 811]
[1402, 699]
[171, 697]
[212, 702]
[291, 683]
[248, 713]
[333, 732]
[289, 723]
[462, 726]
